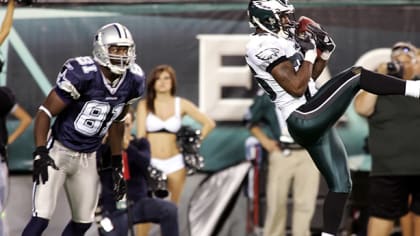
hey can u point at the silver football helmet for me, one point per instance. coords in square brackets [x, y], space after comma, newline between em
[266, 15]
[114, 34]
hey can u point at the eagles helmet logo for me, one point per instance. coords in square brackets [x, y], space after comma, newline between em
[271, 20]
[262, 5]
[268, 54]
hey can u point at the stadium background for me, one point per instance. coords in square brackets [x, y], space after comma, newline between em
[46, 33]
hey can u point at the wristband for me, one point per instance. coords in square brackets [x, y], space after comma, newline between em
[325, 55]
[310, 56]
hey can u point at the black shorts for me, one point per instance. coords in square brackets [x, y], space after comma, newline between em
[388, 196]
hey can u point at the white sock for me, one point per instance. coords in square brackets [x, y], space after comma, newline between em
[326, 234]
[412, 88]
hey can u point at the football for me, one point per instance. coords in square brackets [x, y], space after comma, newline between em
[303, 23]
[302, 28]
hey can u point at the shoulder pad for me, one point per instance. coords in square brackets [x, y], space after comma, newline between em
[137, 70]
[139, 80]
[74, 71]
[81, 65]
[269, 49]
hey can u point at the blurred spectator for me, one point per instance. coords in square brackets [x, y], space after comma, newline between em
[418, 64]
[6, 26]
[140, 207]
[7, 23]
[289, 165]
[407, 221]
[394, 131]
[8, 105]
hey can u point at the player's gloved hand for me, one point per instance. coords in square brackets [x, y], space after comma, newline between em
[324, 42]
[306, 42]
[308, 46]
[304, 33]
[119, 186]
[41, 162]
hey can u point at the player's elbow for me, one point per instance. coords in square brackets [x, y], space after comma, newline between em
[211, 125]
[297, 91]
[26, 121]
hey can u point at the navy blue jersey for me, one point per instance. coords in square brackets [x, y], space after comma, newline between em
[93, 103]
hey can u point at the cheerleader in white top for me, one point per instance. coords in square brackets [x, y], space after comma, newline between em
[160, 116]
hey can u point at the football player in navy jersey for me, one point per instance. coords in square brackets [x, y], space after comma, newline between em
[286, 57]
[90, 98]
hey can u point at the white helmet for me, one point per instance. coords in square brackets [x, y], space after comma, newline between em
[266, 15]
[117, 35]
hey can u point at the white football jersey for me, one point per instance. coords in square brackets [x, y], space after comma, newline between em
[265, 50]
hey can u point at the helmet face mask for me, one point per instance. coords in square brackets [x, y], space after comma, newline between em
[272, 16]
[114, 48]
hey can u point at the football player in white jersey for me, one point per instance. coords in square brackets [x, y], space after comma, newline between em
[286, 57]
[91, 96]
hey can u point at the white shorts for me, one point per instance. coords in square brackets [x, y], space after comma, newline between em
[169, 165]
[78, 175]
